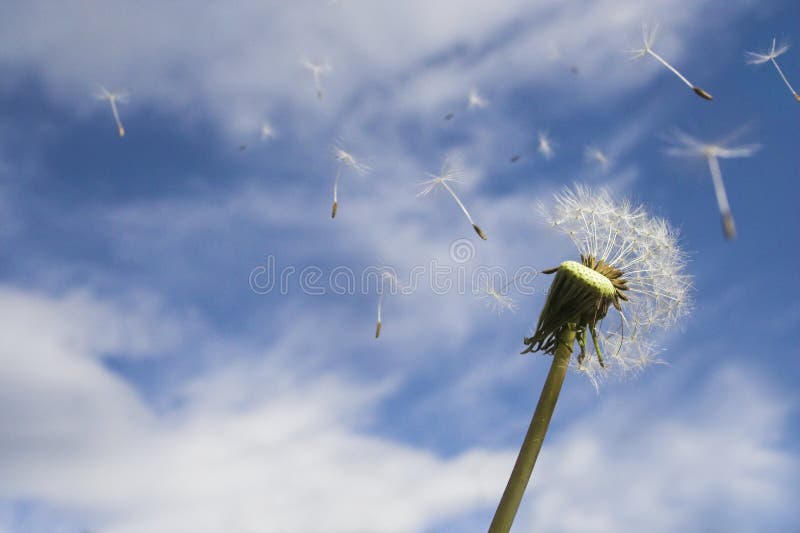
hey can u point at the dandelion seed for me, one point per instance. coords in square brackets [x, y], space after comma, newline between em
[476, 101]
[113, 98]
[545, 146]
[688, 146]
[317, 70]
[390, 278]
[267, 132]
[648, 38]
[514, 158]
[626, 260]
[450, 172]
[496, 299]
[346, 160]
[449, 116]
[596, 155]
[755, 58]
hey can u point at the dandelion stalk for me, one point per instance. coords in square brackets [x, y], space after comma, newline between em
[450, 172]
[756, 58]
[529, 452]
[648, 38]
[628, 261]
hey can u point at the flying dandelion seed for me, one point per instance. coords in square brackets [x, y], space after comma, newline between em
[317, 70]
[267, 132]
[450, 172]
[389, 278]
[496, 299]
[648, 38]
[626, 260]
[113, 98]
[755, 58]
[688, 146]
[476, 101]
[595, 155]
[545, 146]
[346, 160]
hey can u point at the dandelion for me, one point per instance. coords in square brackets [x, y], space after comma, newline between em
[755, 58]
[688, 146]
[450, 172]
[545, 145]
[593, 154]
[317, 70]
[648, 38]
[113, 98]
[390, 278]
[626, 260]
[476, 101]
[346, 160]
[267, 132]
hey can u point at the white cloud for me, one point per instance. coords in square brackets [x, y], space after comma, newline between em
[714, 457]
[255, 446]
[276, 453]
[243, 64]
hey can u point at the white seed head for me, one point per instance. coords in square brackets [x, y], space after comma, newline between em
[317, 69]
[476, 101]
[595, 155]
[545, 145]
[121, 97]
[756, 58]
[267, 132]
[649, 34]
[646, 250]
[347, 159]
[496, 300]
[451, 171]
[684, 145]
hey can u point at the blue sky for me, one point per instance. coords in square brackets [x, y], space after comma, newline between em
[147, 387]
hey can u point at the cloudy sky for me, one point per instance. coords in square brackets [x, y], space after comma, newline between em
[153, 379]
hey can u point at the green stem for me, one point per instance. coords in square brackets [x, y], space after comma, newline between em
[523, 468]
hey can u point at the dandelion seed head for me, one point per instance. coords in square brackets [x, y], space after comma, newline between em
[756, 58]
[451, 171]
[495, 299]
[649, 34]
[349, 160]
[596, 155]
[476, 101]
[685, 145]
[121, 97]
[267, 132]
[640, 256]
[545, 145]
[317, 69]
